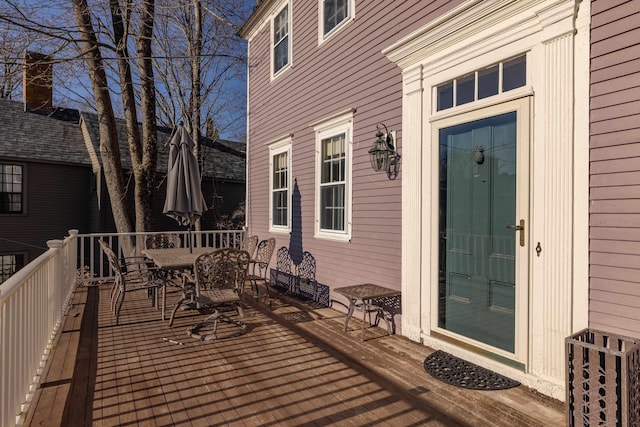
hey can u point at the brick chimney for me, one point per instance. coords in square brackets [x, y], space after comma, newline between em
[37, 81]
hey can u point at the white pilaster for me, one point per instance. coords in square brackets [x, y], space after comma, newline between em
[552, 210]
[412, 148]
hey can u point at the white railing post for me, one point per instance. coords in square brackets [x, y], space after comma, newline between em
[54, 283]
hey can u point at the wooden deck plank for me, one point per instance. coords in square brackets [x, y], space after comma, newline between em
[58, 371]
[293, 366]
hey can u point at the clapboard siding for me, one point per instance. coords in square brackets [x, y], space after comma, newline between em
[616, 233]
[626, 192]
[615, 167]
[346, 72]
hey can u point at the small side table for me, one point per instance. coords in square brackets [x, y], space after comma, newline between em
[364, 293]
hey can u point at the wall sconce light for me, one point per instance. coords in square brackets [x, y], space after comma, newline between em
[383, 154]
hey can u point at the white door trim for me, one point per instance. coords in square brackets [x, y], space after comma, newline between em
[555, 36]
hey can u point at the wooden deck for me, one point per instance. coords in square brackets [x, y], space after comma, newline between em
[293, 366]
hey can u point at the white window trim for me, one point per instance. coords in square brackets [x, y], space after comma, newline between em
[277, 10]
[331, 127]
[276, 148]
[322, 37]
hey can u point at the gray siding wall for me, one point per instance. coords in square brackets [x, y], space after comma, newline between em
[615, 167]
[348, 71]
[57, 199]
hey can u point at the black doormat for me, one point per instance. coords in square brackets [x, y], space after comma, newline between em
[452, 370]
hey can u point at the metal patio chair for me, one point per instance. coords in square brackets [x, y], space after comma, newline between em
[249, 244]
[131, 274]
[162, 241]
[218, 277]
[260, 267]
[165, 241]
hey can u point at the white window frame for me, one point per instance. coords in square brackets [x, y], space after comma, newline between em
[351, 13]
[277, 10]
[341, 124]
[282, 146]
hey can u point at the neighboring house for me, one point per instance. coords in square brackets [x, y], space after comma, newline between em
[51, 180]
[46, 184]
[485, 228]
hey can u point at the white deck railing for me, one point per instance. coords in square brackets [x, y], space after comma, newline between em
[96, 265]
[34, 300]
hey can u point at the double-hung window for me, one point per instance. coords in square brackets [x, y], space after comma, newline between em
[280, 185]
[333, 178]
[11, 189]
[281, 40]
[333, 15]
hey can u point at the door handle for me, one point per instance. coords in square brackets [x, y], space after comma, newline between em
[520, 228]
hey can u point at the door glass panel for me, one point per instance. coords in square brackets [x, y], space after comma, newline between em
[477, 250]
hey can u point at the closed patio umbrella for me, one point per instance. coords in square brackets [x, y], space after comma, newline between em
[184, 202]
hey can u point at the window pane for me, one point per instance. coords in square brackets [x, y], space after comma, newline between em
[280, 26]
[465, 87]
[281, 55]
[280, 189]
[280, 208]
[333, 159]
[335, 11]
[280, 173]
[332, 202]
[445, 96]
[281, 40]
[514, 73]
[488, 82]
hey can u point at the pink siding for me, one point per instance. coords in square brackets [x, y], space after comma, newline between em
[348, 71]
[615, 167]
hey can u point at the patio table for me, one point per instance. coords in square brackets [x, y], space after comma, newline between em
[360, 298]
[173, 259]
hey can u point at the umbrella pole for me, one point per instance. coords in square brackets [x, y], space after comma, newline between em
[190, 239]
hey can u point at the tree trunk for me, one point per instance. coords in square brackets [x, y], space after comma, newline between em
[109, 147]
[120, 21]
[145, 176]
[196, 100]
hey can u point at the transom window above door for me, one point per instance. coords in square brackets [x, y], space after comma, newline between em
[493, 80]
